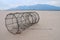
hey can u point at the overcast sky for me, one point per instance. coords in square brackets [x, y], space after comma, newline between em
[5, 4]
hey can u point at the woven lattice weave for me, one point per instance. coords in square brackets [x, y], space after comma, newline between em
[19, 21]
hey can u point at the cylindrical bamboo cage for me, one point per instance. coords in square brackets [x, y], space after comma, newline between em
[19, 21]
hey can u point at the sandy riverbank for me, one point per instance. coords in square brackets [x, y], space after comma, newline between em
[48, 27]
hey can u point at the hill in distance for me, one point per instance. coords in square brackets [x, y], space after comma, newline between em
[37, 7]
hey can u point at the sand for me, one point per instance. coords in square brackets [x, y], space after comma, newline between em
[48, 27]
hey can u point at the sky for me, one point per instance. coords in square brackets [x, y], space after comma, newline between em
[6, 4]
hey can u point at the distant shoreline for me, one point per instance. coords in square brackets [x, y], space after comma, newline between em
[29, 10]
